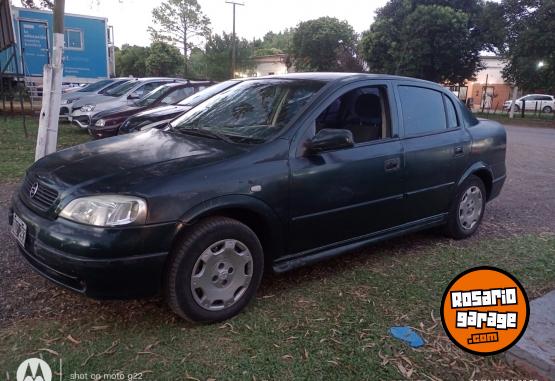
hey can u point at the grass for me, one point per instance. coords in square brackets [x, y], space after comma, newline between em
[328, 321]
[531, 119]
[18, 152]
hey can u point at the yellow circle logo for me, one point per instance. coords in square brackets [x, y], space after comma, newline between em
[485, 310]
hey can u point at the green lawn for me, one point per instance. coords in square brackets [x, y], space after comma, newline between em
[530, 119]
[328, 321]
[18, 152]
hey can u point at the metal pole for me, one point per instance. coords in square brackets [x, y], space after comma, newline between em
[47, 136]
[234, 41]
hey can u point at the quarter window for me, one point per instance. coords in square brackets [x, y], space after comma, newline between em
[73, 39]
[452, 120]
[423, 110]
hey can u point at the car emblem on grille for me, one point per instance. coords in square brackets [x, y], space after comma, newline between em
[33, 190]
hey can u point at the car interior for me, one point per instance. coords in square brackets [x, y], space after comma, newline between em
[363, 111]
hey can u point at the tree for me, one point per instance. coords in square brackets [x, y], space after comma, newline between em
[37, 4]
[321, 44]
[215, 61]
[438, 40]
[131, 60]
[530, 44]
[163, 60]
[180, 22]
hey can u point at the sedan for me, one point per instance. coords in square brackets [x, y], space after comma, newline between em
[106, 123]
[272, 174]
[160, 116]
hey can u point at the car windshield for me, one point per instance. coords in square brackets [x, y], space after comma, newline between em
[95, 86]
[113, 86]
[209, 92]
[118, 91]
[252, 111]
[151, 97]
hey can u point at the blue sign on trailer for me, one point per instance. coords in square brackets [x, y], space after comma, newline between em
[85, 45]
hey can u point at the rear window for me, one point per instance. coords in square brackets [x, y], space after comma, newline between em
[423, 110]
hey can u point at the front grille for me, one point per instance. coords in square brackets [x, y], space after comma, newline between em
[42, 199]
[83, 119]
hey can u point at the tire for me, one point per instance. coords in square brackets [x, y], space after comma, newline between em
[219, 259]
[461, 223]
[547, 110]
[516, 108]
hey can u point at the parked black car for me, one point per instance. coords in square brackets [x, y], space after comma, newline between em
[106, 123]
[158, 117]
[275, 172]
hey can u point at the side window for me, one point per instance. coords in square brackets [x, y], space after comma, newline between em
[178, 95]
[452, 120]
[73, 39]
[423, 110]
[363, 111]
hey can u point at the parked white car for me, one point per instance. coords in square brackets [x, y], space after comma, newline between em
[533, 102]
[83, 109]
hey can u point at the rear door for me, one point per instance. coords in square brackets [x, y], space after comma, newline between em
[436, 148]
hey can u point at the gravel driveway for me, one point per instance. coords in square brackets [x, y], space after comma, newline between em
[526, 204]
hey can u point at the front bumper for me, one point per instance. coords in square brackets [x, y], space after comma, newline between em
[80, 118]
[104, 132]
[103, 263]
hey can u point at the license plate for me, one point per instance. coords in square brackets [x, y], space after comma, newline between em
[19, 229]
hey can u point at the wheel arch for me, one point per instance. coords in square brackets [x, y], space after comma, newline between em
[485, 174]
[252, 212]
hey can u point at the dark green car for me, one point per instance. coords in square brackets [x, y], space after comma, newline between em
[273, 173]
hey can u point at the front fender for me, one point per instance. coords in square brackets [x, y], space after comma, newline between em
[274, 226]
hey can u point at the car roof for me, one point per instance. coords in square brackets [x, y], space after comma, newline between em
[331, 76]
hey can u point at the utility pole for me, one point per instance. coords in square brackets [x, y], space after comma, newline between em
[47, 136]
[234, 41]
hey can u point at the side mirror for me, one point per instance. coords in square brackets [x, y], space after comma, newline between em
[330, 139]
[134, 95]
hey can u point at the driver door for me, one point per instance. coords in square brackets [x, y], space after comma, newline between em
[350, 193]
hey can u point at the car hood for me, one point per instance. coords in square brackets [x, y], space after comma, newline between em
[120, 111]
[162, 111]
[122, 162]
[93, 99]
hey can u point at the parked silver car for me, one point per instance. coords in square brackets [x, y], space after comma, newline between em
[82, 110]
[96, 88]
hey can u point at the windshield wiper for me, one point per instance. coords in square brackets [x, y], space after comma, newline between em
[205, 132]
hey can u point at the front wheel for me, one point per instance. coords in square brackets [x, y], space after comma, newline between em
[214, 272]
[467, 209]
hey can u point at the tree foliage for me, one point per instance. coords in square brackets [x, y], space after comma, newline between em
[131, 60]
[163, 60]
[159, 59]
[530, 44]
[38, 4]
[215, 61]
[323, 44]
[180, 22]
[438, 40]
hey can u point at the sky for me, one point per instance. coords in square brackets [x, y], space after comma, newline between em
[131, 18]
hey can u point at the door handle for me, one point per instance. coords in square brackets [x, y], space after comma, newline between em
[459, 150]
[391, 165]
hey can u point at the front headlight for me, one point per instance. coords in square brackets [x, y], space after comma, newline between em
[100, 123]
[106, 210]
[87, 108]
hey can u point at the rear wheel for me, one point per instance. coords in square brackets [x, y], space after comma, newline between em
[467, 209]
[547, 109]
[214, 271]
